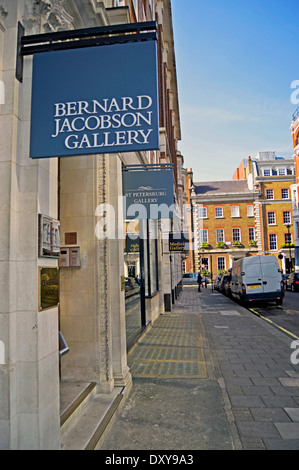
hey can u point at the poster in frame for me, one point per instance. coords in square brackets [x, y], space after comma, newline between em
[49, 237]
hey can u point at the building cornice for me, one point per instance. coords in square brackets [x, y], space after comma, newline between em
[275, 179]
[224, 197]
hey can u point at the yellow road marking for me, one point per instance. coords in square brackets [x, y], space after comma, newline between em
[272, 322]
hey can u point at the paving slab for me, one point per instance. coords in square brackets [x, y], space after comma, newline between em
[210, 375]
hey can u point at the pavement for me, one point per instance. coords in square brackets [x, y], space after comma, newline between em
[210, 375]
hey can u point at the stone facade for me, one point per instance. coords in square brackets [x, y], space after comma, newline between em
[91, 312]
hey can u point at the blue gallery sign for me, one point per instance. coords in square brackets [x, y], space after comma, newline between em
[148, 194]
[95, 100]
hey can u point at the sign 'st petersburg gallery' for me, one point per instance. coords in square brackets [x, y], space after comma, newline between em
[75, 110]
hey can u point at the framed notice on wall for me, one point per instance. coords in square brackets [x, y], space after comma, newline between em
[49, 237]
[48, 288]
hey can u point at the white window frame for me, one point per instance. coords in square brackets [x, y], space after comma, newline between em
[267, 170]
[251, 237]
[250, 210]
[235, 211]
[271, 215]
[223, 263]
[269, 191]
[273, 241]
[288, 235]
[207, 263]
[285, 193]
[220, 235]
[289, 221]
[220, 209]
[237, 238]
[204, 235]
[201, 211]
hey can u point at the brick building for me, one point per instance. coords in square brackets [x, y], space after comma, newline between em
[250, 215]
[271, 178]
[224, 224]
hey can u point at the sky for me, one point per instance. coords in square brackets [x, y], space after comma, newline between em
[236, 62]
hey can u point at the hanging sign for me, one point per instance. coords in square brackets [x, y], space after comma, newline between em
[148, 194]
[132, 244]
[95, 100]
[179, 242]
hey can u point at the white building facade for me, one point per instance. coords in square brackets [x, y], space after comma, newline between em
[91, 308]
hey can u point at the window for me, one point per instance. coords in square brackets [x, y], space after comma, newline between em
[288, 238]
[203, 236]
[271, 218]
[273, 241]
[205, 263]
[153, 259]
[286, 217]
[251, 234]
[202, 212]
[221, 263]
[150, 247]
[236, 235]
[269, 193]
[285, 193]
[218, 212]
[281, 171]
[267, 172]
[219, 235]
[250, 211]
[235, 211]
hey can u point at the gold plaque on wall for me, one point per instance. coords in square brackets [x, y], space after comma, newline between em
[48, 288]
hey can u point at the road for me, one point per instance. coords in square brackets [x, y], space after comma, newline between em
[285, 316]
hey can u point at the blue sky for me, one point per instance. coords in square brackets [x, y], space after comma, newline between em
[236, 61]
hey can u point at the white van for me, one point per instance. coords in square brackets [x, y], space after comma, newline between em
[257, 278]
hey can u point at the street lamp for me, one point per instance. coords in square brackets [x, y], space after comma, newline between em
[290, 253]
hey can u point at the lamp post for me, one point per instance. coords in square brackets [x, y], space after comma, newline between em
[290, 253]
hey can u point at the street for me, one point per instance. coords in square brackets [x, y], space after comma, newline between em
[285, 316]
[210, 375]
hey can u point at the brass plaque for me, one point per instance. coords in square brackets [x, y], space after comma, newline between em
[48, 288]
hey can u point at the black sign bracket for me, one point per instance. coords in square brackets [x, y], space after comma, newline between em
[78, 38]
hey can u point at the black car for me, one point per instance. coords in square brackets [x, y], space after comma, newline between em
[292, 282]
[225, 278]
[284, 280]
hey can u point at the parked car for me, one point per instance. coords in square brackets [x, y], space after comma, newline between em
[284, 280]
[190, 278]
[292, 282]
[227, 289]
[130, 284]
[216, 282]
[257, 278]
[224, 279]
